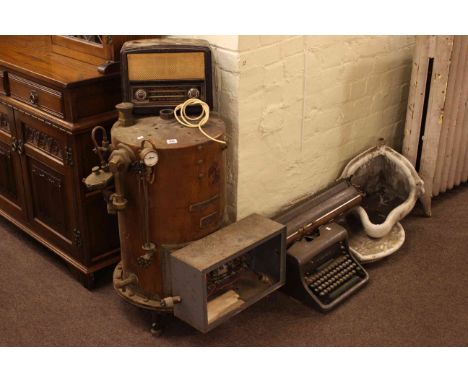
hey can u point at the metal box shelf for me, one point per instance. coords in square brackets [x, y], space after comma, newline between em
[227, 271]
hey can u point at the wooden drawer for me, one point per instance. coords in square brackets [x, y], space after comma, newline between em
[4, 82]
[34, 94]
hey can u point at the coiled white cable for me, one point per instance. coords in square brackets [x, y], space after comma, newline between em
[197, 121]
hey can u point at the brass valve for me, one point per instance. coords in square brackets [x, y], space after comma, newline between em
[98, 179]
[125, 110]
[169, 302]
[145, 260]
[117, 201]
[100, 176]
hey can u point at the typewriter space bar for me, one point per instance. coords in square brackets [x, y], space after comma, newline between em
[343, 288]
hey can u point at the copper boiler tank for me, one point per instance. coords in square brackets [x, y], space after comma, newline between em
[169, 191]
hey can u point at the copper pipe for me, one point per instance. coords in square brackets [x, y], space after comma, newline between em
[131, 279]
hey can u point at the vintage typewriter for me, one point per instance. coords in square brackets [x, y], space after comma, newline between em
[320, 270]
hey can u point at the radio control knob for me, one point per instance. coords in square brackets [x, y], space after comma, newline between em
[193, 93]
[140, 94]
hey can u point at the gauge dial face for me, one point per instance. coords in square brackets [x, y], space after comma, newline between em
[151, 158]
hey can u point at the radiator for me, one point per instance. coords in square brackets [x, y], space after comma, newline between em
[436, 130]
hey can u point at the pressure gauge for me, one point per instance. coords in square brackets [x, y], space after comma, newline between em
[150, 157]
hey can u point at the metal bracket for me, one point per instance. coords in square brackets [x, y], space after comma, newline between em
[3, 120]
[14, 144]
[20, 146]
[69, 156]
[77, 237]
[17, 145]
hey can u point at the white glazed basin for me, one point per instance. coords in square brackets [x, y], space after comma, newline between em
[382, 164]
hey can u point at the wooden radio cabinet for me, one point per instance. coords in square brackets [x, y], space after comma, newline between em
[48, 105]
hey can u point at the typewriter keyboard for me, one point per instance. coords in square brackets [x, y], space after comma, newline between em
[332, 279]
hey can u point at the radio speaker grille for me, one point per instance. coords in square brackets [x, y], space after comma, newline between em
[166, 66]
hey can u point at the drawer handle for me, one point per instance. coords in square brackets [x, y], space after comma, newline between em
[33, 97]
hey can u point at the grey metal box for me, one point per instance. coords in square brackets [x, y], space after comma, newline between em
[227, 271]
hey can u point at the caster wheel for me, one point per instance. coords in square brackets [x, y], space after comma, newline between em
[156, 330]
[157, 325]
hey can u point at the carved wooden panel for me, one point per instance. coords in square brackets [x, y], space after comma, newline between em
[4, 122]
[7, 173]
[43, 141]
[49, 195]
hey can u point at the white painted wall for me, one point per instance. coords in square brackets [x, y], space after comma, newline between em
[307, 105]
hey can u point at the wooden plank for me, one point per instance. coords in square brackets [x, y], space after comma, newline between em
[465, 166]
[448, 121]
[416, 96]
[463, 142]
[452, 117]
[464, 177]
[452, 155]
[437, 98]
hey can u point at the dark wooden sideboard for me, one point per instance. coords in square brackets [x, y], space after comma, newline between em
[48, 105]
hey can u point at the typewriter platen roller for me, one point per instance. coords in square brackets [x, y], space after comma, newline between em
[320, 269]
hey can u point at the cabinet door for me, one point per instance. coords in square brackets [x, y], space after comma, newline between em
[11, 182]
[49, 182]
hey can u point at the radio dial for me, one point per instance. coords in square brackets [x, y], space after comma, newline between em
[140, 94]
[193, 93]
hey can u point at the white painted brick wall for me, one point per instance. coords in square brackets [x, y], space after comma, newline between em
[307, 105]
